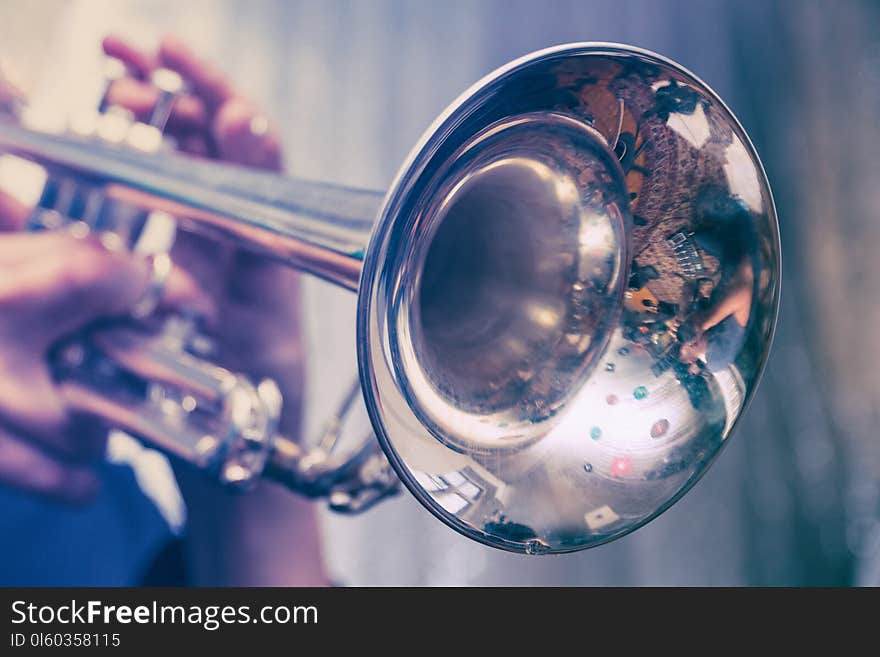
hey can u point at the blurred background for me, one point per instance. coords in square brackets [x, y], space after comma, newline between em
[795, 497]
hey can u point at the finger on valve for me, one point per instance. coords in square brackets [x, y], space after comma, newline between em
[138, 62]
[206, 80]
[65, 283]
[187, 116]
[245, 136]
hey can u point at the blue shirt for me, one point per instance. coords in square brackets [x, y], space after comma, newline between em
[111, 541]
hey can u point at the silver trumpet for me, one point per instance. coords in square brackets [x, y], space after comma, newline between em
[565, 301]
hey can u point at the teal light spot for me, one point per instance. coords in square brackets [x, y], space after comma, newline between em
[640, 392]
[595, 433]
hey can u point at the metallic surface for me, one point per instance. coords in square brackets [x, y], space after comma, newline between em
[564, 307]
[571, 415]
[317, 227]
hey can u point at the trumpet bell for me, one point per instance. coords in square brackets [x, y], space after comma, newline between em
[568, 298]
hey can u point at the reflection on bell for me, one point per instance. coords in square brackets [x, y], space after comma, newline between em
[562, 324]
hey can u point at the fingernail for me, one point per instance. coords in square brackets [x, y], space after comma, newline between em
[111, 242]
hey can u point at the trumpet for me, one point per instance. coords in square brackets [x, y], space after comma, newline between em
[565, 300]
